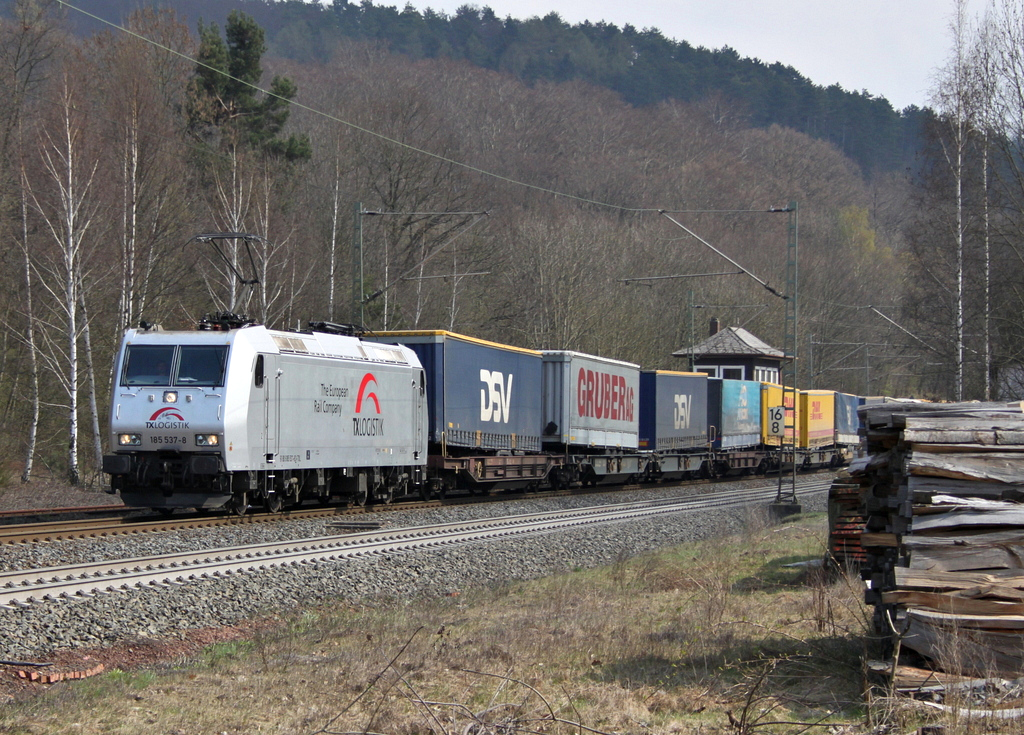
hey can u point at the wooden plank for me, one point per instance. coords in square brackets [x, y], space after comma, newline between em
[968, 537]
[962, 518]
[959, 420]
[949, 486]
[991, 466]
[985, 426]
[943, 445]
[953, 604]
[963, 651]
[970, 559]
[945, 503]
[1007, 586]
[884, 540]
[1009, 579]
[968, 621]
[907, 678]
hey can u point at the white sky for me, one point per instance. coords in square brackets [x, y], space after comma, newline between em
[890, 48]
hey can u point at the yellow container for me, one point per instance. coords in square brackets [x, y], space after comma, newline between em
[772, 395]
[816, 411]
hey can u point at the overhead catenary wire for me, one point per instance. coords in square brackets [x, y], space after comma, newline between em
[704, 242]
[681, 275]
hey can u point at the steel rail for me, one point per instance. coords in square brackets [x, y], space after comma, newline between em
[57, 530]
[22, 588]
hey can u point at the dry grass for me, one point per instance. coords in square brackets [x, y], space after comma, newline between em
[717, 637]
[48, 491]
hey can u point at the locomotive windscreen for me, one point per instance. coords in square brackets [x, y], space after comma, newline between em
[182, 365]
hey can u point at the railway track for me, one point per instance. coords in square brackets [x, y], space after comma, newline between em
[56, 530]
[95, 527]
[120, 524]
[22, 588]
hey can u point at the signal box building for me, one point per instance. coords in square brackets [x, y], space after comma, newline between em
[734, 353]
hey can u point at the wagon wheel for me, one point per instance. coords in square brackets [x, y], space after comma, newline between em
[360, 496]
[239, 503]
[274, 502]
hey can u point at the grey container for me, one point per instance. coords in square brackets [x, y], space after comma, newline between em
[590, 401]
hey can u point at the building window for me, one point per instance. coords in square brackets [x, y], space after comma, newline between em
[766, 375]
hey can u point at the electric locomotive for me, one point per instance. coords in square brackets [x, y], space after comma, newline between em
[233, 417]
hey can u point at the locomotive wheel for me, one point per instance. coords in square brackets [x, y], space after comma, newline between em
[359, 497]
[274, 502]
[239, 503]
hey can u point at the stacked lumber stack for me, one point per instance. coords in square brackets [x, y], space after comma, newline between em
[845, 523]
[942, 495]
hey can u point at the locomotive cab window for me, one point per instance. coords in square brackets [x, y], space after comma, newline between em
[202, 365]
[148, 365]
[186, 366]
[257, 377]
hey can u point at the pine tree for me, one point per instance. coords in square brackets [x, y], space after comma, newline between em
[226, 107]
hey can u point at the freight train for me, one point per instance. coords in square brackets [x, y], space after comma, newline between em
[236, 415]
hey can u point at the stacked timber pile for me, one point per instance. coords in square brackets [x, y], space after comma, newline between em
[845, 523]
[942, 495]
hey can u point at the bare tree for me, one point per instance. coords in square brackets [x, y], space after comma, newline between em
[62, 199]
[954, 99]
[144, 131]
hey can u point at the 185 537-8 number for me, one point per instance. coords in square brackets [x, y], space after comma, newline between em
[168, 440]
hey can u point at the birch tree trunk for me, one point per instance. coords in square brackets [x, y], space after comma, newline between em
[67, 220]
[30, 339]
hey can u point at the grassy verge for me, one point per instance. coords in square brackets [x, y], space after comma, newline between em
[717, 637]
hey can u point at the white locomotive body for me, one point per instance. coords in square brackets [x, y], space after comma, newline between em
[208, 419]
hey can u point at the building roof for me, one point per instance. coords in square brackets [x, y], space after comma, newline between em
[732, 342]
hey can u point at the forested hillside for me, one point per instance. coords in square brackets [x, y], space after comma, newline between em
[642, 66]
[531, 213]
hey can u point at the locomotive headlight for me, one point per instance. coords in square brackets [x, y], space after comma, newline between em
[129, 440]
[207, 440]
[170, 396]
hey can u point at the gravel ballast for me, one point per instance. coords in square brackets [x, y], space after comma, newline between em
[151, 612]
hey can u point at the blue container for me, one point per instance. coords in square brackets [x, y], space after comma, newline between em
[734, 413]
[673, 410]
[480, 395]
[847, 422]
